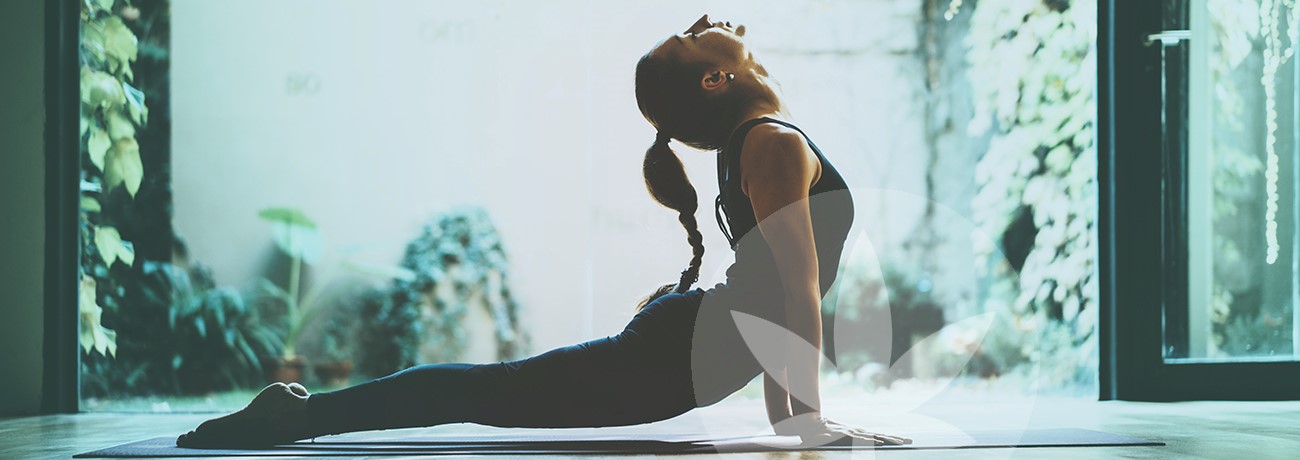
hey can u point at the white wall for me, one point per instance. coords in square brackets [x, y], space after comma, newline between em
[373, 116]
[22, 206]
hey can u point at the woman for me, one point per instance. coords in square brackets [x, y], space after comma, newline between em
[683, 348]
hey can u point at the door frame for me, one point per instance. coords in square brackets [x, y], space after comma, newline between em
[1141, 230]
[62, 359]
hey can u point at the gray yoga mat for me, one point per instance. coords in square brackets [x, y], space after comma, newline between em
[613, 444]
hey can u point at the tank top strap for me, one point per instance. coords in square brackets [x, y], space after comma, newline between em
[724, 160]
[731, 162]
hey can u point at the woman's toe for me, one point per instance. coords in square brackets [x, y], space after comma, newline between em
[188, 439]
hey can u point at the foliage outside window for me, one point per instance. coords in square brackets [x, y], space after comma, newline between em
[1032, 70]
[152, 321]
[111, 109]
[1250, 41]
[1030, 66]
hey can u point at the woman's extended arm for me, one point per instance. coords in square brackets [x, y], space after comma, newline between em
[777, 170]
[780, 407]
[775, 397]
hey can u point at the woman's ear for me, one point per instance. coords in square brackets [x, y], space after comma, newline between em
[714, 79]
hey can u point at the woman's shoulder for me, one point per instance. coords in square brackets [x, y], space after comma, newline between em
[784, 136]
[764, 129]
[775, 151]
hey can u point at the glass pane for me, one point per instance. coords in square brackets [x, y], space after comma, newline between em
[1242, 187]
[325, 154]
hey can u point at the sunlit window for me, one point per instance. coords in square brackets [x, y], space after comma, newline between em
[332, 191]
[1242, 129]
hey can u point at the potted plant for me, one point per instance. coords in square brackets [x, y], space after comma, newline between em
[297, 237]
[456, 264]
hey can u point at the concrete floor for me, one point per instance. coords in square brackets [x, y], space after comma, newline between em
[1210, 429]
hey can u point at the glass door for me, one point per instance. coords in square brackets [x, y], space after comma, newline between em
[1231, 130]
[1199, 132]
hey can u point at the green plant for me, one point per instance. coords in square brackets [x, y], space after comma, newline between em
[184, 334]
[111, 110]
[218, 340]
[456, 263]
[94, 336]
[296, 235]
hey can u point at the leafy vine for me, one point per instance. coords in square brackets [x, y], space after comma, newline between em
[111, 110]
[1032, 68]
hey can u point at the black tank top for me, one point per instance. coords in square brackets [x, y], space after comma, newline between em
[754, 273]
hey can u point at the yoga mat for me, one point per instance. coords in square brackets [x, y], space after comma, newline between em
[615, 444]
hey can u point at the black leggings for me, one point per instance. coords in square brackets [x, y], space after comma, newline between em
[640, 375]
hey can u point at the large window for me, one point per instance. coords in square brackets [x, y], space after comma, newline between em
[331, 191]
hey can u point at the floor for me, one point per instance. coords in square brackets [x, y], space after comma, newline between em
[1209, 429]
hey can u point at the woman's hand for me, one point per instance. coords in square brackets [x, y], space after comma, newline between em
[815, 430]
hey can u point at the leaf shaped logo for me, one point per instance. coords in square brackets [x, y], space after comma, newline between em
[767, 341]
[938, 408]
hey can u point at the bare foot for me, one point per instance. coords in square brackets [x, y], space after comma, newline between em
[277, 415]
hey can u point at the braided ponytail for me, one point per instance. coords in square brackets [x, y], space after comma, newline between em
[666, 180]
[669, 95]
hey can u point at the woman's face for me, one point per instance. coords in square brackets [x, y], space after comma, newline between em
[714, 42]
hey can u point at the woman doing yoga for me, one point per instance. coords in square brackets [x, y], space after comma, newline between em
[682, 349]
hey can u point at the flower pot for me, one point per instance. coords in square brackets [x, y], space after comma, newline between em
[333, 373]
[288, 370]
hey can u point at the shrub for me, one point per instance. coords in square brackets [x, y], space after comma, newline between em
[456, 263]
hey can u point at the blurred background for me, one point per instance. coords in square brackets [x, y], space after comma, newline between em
[330, 191]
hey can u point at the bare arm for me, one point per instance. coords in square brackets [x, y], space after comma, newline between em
[777, 169]
[775, 397]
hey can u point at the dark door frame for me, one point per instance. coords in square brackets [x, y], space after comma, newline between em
[1142, 203]
[62, 360]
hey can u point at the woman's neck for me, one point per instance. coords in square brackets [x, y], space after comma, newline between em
[764, 102]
